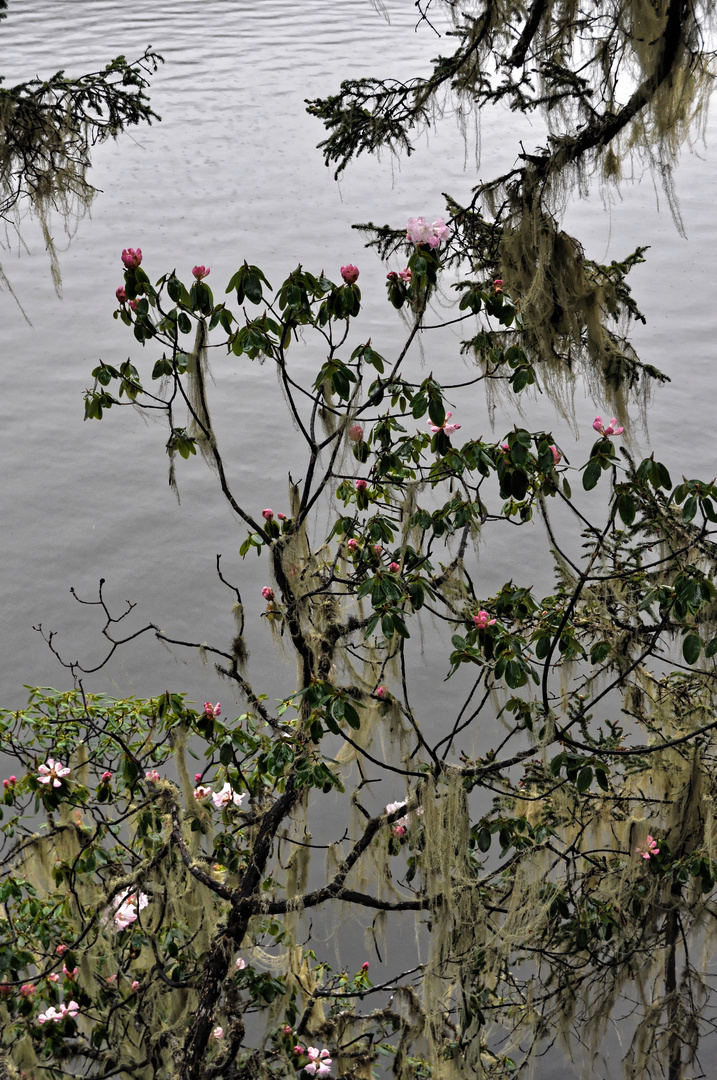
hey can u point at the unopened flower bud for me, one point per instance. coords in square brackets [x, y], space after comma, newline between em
[200, 272]
[355, 433]
[132, 257]
[267, 592]
[361, 485]
[350, 273]
[267, 514]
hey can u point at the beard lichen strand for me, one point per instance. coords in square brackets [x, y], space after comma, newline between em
[200, 424]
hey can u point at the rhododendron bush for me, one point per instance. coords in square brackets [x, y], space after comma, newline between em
[530, 847]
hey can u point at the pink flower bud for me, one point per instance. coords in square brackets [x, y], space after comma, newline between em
[405, 275]
[498, 284]
[132, 257]
[267, 514]
[352, 545]
[200, 272]
[106, 777]
[298, 1049]
[399, 831]
[132, 304]
[61, 949]
[121, 295]
[281, 517]
[13, 779]
[557, 456]
[377, 548]
[197, 777]
[382, 693]
[395, 567]
[135, 984]
[53, 977]
[6, 783]
[218, 1033]
[361, 485]
[392, 276]
[27, 990]
[267, 592]
[287, 1030]
[212, 710]
[355, 433]
[364, 966]
[483, 619]
[350, 273]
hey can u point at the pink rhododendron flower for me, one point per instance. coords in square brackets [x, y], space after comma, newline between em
[382, 692]
[361, 485]
[281, 517]
[218, 1032]
[298, 1049]
[227, 796]
[395, 567]
[498, 284]
[267, 592]
[69, 974]
[267, 514]
[557, 456]
[55, 1015]
[649, 848]
[197, 777]
[61, 949]
[53, 977]
[27, 990]
[106, 776]
[132, 304]
[152, 775]
[377, 549]
[213, 710]
[52, 772]
[112, 978]
[355, 433]
[350, 273]
[352, 544]
[240, 963]
[483, 619]
[6, 783]
[405, 275]
[202, 792]
[287, 1030]
[445, 426]
[132, 257]
[610, 429]
[200, 272]
[126, 908]
[319, 1063]
[135, 984]
[419, 231]
[121, 295]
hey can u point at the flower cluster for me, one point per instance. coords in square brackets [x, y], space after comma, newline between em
[319, 1062]
[212, 710]
[400, 826]
[227, 796]
[420, 231]
[483, 619]
[350, 274]
[609, 429]
[127, 906]
[52, 773]
[200, 272]
[132, 257]
[649, 848]
[203, 791]
[55, 1015]
[445, 426]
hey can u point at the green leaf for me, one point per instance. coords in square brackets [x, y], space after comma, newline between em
[484, 839]
[542, 647]
[601, 777]
[689, 509]
[585, 778]
[691, 648]
[591, 474]
[626, 508]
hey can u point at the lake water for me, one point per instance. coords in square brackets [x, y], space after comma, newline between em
[230, 174]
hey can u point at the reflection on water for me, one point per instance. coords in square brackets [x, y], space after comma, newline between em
[232, 173]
